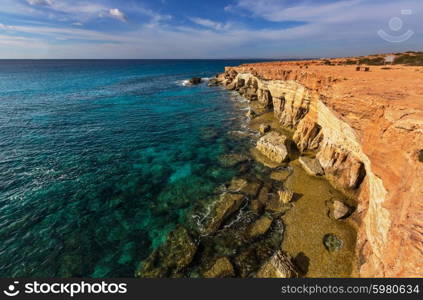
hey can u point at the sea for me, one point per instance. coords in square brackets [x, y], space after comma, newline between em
[101, 159]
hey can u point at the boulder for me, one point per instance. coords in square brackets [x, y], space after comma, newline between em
[340, 210]
[227, 204]
[221, 268]
[273, 146]
[263, 129]
[278, 266]
[285, 196]
[195, 80]
[311, 166]
[256, 206]
[280, 175]
[173, 256]
[259, 227]
[332, 242]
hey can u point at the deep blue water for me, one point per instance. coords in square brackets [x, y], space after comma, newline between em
[100, 159]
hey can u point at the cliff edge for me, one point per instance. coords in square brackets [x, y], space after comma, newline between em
[365, 126]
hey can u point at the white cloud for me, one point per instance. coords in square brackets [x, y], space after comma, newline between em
[41, 2]
[209, 23]
[117, 14]
[6, 27]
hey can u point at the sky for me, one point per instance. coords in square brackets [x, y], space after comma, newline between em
[145, 29]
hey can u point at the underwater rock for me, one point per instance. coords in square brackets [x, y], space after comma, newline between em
[340, 210]
[230, 160]
[264, 195]
[332, 242]
[256, 206]
[278, 266]
[311, 166]
[259, 227]
[263, 129]
[172, 257]
[237, 184]
[286, 195]
[273, 145]
[227, 204]
[281, 175]
[221, 268]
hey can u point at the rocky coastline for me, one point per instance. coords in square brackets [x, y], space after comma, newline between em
[310, 125]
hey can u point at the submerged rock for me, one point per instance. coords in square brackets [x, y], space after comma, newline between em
[280, 175]
[227, 204]
[195, 80]
[278, 266]
[170, 258]
[221, 268]
[311, 166]
[332, 242]
[230, 160]
[273, 146]
[259, 227]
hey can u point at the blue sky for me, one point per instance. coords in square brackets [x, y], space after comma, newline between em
[204, 29]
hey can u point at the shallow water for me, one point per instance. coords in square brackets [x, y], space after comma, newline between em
[308, 222]
[99, 160]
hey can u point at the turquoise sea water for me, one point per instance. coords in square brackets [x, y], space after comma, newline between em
[100, 159]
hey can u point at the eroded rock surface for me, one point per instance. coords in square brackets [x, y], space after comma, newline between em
[273, 146]
[367, 135]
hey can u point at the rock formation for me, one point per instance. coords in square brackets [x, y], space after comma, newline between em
[366, 129]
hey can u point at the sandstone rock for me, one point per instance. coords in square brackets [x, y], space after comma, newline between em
[264, 195]
[256, 206]
[280, 175]
[361, 122]
[263, 129]
[176, 254]
[259, 227]
[276, 204]
[265, 98]
[278, 266]
[221, 268]
[332, 242]
[195, 80]
[227, 204]
[213, 82]
[285, 196]
[340, 210]
[273, 145]
[311, 166]
[251, 113]
[230, 160]
[237, 184]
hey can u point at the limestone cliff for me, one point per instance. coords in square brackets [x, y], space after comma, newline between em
[366, 129]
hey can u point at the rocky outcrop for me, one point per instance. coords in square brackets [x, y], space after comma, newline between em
[367, 137]
[278, 266]
[273, 146]
[311, 166]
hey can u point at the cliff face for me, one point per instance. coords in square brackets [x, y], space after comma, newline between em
[366, 129]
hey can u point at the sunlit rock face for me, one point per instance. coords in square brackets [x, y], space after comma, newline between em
[367, 136]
